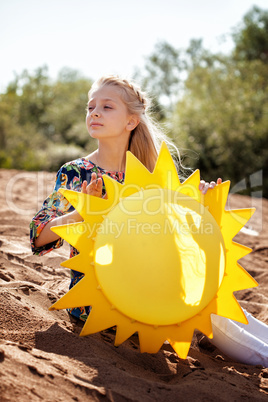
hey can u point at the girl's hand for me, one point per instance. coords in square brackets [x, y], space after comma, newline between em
[94, 187]
[205, 186]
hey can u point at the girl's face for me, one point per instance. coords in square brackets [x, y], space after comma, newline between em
[107, 115]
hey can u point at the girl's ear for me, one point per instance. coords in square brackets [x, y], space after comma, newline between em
[133, 122]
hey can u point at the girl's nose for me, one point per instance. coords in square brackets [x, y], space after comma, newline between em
[95, 113]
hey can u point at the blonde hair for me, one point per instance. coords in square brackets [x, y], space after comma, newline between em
[145, 140]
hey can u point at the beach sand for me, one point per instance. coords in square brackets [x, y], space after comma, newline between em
[42, 356]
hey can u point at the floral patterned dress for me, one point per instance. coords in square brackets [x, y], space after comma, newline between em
[71, 176]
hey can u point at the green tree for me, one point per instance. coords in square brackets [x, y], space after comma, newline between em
[42, 122]
[251, 37]
[67, 107]
[222, 120]
[162, 77]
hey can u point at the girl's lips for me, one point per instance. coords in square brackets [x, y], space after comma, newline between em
[95, 124]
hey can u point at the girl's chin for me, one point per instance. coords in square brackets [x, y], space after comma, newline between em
[94, 134]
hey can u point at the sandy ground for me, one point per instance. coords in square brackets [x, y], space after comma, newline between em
[42, 356]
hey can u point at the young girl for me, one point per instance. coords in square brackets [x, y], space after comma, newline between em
[118, 118]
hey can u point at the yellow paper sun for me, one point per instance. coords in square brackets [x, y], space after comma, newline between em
[157, 255]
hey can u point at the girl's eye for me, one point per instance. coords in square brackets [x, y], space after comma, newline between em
[107, 107]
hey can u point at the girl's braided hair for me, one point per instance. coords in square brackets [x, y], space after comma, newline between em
[145, 140]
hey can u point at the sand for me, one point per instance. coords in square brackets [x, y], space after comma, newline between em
[42, 356]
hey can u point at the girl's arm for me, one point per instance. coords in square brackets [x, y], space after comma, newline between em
[47, 236]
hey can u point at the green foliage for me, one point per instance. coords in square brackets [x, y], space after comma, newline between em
[221, 121]
[251, 39]
[161, 77]
[41, 122]
[222, 118]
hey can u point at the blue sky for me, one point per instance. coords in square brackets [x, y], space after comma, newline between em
[108, 36]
